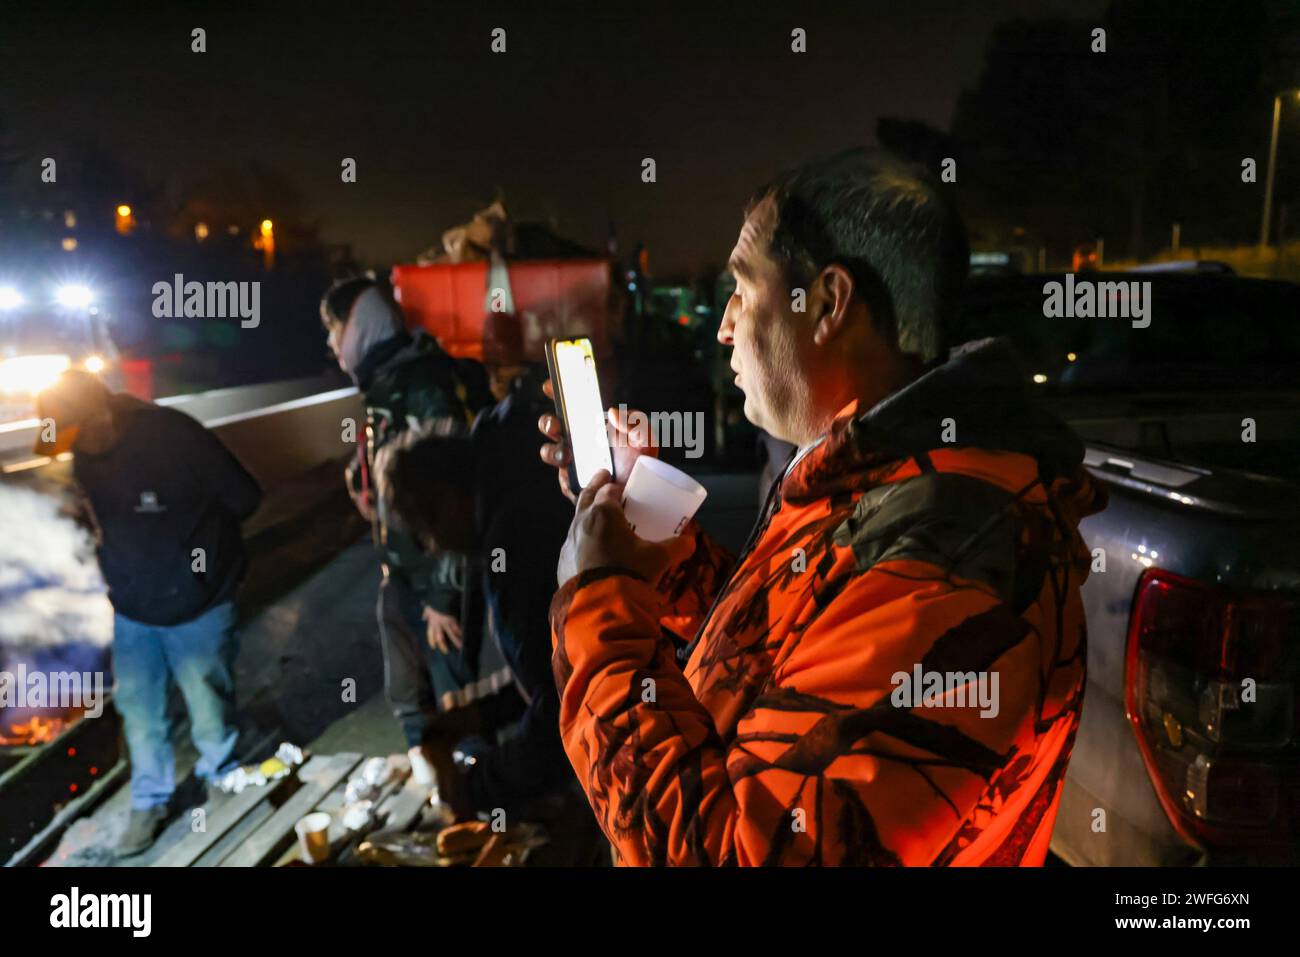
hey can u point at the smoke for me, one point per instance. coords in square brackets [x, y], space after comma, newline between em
[51, 592]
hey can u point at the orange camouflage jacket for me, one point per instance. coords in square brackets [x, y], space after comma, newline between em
[892, 673]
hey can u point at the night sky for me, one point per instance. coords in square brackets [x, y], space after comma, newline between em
[437, 122]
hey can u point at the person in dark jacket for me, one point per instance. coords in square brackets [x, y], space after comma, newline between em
[408, 381]
[488, 496]
[167, 499]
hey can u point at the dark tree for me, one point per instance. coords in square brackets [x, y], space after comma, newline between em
[1069, 144]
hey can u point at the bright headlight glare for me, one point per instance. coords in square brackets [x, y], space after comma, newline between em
[74, 296]
[10, 298]
[31, 374]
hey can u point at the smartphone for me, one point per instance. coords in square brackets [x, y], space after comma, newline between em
[572, 365]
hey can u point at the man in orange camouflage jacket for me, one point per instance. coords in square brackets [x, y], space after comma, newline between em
[892, 671]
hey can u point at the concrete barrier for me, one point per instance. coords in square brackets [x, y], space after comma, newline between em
[302, 407]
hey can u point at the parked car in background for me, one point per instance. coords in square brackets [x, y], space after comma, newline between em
[1189, 748]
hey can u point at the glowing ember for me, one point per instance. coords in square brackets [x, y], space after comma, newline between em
[36, 730]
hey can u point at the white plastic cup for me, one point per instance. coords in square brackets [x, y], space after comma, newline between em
[659, 500]
[314, 837]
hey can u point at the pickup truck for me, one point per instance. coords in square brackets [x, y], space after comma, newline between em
[1189, 747]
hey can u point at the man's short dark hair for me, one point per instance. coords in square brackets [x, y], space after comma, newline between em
[336, 305]
[419, 464]
[890, 225]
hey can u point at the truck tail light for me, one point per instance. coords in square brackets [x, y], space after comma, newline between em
[1211, 691]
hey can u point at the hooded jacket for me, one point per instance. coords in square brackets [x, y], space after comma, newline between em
[408, 380]
[807, 726]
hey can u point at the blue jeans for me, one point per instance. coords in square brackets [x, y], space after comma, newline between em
[199, 655]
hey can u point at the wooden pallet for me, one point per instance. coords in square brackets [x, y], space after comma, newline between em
[319, 776]
[256, 827]
[397, 806]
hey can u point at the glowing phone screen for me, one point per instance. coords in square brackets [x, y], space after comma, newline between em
[583, 412]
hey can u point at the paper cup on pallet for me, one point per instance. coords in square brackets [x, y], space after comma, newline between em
[314, 837]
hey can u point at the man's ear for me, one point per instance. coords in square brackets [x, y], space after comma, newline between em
[829, 302]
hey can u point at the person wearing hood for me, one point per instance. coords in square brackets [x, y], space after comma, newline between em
[408, 381]
[892, 670]
[167, 499]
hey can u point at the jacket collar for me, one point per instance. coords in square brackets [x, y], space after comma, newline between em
[380, 356]
[981, 388]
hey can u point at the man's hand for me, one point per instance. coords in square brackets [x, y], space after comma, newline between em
[625, 444]
[600, 537]
[443, 631]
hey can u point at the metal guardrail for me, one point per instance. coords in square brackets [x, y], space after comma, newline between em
[279, 442]
[306, 414]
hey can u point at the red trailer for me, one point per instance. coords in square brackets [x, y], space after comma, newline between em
[551, 297]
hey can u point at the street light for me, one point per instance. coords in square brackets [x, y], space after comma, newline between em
[267, 244]
[1272, 159]
[125, 222]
